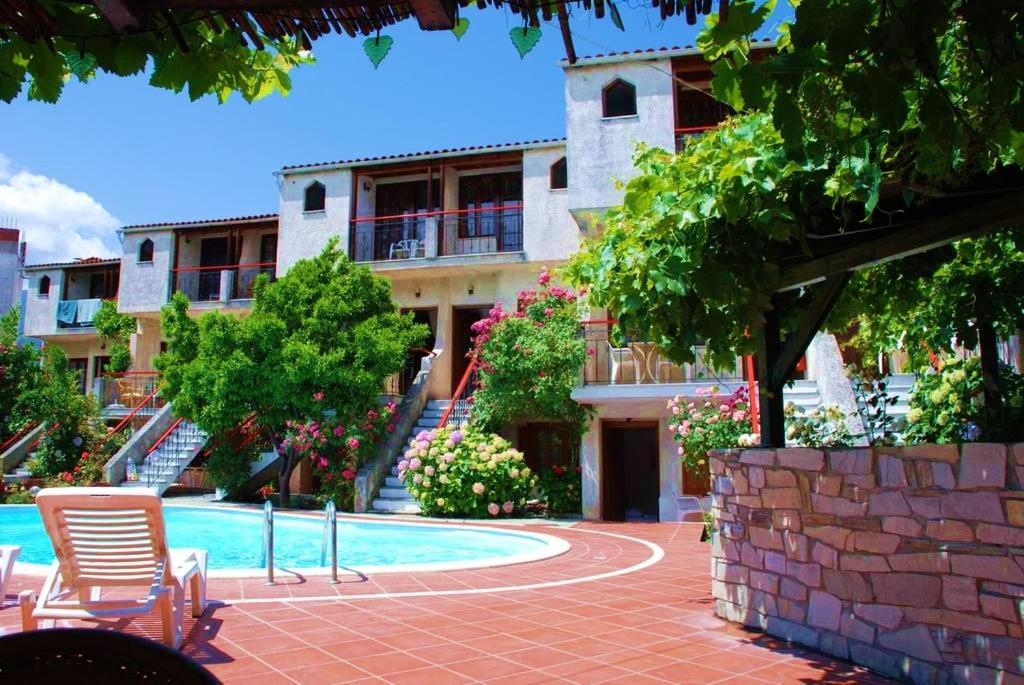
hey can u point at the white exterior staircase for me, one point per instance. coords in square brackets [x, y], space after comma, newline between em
[174, 452]
[393, 498]
[804, 394]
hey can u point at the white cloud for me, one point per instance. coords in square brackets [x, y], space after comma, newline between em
[59, 222]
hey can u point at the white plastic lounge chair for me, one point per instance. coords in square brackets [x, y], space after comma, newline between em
[8, 553]
[106, 538]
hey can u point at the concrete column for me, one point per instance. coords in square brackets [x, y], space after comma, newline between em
[430, 239]
[590, 463]
[227, 284]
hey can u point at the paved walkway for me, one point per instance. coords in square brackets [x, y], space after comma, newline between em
[612, 610]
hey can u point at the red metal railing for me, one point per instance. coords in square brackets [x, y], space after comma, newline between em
[48, 433]
[18, 436]
[460, 404]
[162, 438]
[202, 283]
[147, 401]
[440, 233]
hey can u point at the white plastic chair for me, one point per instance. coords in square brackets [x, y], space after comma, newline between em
[619, 356]
[8, 553]
[412, 247]
[107, 538]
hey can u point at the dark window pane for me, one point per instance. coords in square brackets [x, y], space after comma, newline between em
[146, 251]
[315, 199]
[560, 175]
[619, 99]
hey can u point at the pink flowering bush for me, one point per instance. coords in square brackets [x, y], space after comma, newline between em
[530, 359]
[561, 488]
[337, 447]
[712, 421]
[465, 472]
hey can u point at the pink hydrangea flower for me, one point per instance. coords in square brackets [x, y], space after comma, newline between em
[414, 463]
[507, 507]
[456, 437]
[318, 396]
[418, 478]
[544, 278]
[339, 431]
[449, 457]
[404, 464]
[424, 436]
[429, 470]
[479, 489]
[353, 443]
[348, 474]
[493, 509]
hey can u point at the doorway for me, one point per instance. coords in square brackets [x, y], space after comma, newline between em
[462, 339]
[414, 358]
[629, 471]
[213, 252]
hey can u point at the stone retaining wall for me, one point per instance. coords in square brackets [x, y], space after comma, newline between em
[908, 560]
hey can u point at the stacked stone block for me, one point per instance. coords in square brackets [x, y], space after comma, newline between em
[908, 560]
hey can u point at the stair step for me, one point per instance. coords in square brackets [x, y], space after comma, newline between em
[396, 506]
[438, 404]
[394, 493]
[394, 482]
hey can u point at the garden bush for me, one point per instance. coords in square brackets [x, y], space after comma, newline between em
[337, 447]
[708, 423]
[821, 428]
[948, 405]
[466, 472]
[561, 488]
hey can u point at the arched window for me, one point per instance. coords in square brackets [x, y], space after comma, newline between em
[44, 285]
[618, 99]
[560, 175]
[315, 198]
[146, 250]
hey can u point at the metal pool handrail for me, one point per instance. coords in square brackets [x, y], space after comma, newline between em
[268, 540]
[330, 538]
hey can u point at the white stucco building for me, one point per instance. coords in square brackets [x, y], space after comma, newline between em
[455, 231]
[12, 258]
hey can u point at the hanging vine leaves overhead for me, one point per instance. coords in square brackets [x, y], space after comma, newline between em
[219, 47]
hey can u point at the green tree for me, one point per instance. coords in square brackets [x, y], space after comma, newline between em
[326, 334]
[71, 419]
[117, 330]
[182, 50]
[19, 373]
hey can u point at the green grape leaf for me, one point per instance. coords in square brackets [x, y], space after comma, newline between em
[616, 17]
[80, 64]
[460, 28]
[525, 39]
[377, 48]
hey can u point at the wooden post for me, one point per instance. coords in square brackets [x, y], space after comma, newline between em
[988, 345]
[770, 405]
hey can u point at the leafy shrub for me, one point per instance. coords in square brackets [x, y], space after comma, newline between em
[873, 404]
[561, 488]
[466, 472]
[337, 448]
[15, 493]
[711, 422]
[822, 428]
[948, 406]
[19, 373]
[530, 359]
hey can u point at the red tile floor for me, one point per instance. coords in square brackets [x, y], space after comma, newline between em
[611, 610]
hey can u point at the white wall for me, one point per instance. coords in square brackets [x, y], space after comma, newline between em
[304, 234]
[601, 150]
[549, 233]
[41, 310]
[10, 276]
[144, 285]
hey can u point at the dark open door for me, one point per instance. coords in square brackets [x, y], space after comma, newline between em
[462, 339]
[212, 252]
[629, 471]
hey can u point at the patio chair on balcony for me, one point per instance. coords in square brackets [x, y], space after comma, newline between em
[409, 248]
[129, 393]
[619, 357]
[111, 539]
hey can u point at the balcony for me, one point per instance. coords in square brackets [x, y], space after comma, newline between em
[686, 133]
[220, 283]
[618, 368]
[438, 234]
[77, 314]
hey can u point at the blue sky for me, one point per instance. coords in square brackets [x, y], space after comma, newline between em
[143, 154]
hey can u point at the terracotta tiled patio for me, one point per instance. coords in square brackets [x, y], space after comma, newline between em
[611, 610]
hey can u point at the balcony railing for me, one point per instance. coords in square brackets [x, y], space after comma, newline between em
[77, 313]
[125, 390]
[219, 283]
[614, 360]
[438, 234]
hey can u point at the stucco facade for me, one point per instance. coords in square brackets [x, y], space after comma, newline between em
[11, 253]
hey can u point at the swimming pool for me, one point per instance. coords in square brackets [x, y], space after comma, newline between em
[234, 538]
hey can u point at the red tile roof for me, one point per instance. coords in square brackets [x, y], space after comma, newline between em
[476, 149]
[86, 261]
[252, 218]
[652, 51]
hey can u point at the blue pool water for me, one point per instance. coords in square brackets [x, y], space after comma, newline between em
[234, 538]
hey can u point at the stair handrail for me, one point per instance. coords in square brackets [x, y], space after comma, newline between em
[177, 440]
[45, 435]
[159, 441]
[31, 426]
[463, 389]
[127, 419]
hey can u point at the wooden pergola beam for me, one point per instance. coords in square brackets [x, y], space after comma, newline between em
[121, 14]
[1002, 212]
[434, 15]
